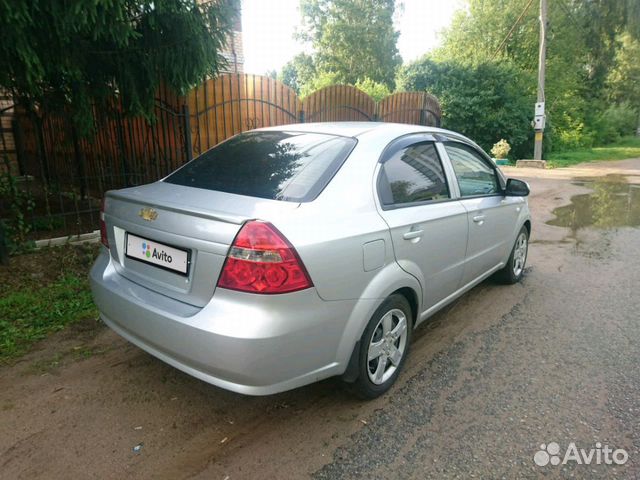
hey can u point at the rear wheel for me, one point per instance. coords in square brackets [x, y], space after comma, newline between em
[383, 347]
[513, 270]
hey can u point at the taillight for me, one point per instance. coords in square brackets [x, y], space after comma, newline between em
[103, 227]
[261, 260]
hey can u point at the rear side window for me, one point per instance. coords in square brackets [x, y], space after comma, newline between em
[289, 166]
[413, 174]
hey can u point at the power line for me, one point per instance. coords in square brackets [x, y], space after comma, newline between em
[524, 12]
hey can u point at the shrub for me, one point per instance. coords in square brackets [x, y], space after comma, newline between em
[20, 203]
[375, 90]
[570, 134]
[616, 121]
[478, 101]
[501, 149]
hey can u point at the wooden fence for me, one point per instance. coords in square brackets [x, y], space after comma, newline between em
[69, 173]
[132, 150]
[222, 107]
[233, 103]
[8, 161]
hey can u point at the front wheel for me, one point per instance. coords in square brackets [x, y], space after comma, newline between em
[383, 347]
[513, 270]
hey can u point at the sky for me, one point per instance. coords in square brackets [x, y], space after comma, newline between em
[268, 27]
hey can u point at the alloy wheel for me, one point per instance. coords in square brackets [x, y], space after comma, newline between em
[387, 346]
[520, 254]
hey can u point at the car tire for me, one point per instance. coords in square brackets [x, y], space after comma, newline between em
[383, 347]
[514, 269]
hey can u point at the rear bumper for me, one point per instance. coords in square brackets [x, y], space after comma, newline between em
[250, 344]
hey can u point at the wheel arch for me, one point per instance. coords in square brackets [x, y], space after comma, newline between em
[391, 280]
[412, 297]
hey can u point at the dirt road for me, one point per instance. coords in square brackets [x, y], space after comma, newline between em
[489, 379]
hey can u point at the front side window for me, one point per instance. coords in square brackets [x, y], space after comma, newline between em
[278, 165]
[413, 174]
[475, 177]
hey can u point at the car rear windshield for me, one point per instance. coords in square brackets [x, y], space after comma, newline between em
[279, 165]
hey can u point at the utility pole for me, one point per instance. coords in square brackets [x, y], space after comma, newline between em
[539, 119]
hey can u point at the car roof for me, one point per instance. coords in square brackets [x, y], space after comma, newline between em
[345, 129]
[363, 129]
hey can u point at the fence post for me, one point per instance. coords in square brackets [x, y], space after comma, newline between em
[188, 146]
[79, 159]
[18, 140]
[301, 116]
[123, 152]
[38, 125]
[4, 250]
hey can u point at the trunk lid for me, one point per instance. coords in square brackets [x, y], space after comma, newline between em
[188, 226]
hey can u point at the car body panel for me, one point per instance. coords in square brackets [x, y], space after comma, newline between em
[239, 341]
[436, 256]
[200, 221]
[490, 220]
[353, 250]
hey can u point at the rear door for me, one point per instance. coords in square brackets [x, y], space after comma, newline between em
[428, 226]
[491, 215]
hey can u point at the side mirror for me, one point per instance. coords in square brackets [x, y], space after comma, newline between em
[516, 188]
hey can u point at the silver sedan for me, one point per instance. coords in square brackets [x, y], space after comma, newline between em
[287, 255]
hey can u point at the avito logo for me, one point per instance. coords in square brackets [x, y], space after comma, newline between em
[159, 255]
[550, 454]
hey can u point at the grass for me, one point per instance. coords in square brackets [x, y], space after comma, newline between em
[43, 292]
[27, 316]
[627, 147]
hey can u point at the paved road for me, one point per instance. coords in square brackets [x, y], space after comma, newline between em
[490, 379]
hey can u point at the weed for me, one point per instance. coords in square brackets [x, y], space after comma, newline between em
[30, 314]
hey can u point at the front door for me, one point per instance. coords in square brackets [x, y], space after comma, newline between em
[491, 216]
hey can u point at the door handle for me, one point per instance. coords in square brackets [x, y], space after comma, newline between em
[478, 218]
[412, 234]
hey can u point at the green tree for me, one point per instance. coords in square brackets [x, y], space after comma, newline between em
[298, 72]
[584, 40]
[623, 80]
[355, 39]
[79, 53]
[486, 102]
[477, 33]
[321, 80]
[602, 22]
[375, 90]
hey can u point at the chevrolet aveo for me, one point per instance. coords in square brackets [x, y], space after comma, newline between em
[287, 255]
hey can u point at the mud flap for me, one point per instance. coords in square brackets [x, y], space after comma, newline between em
[351, 373]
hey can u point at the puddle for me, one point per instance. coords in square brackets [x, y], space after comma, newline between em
[613, 203]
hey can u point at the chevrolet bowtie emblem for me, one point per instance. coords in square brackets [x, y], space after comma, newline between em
[148, 214]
